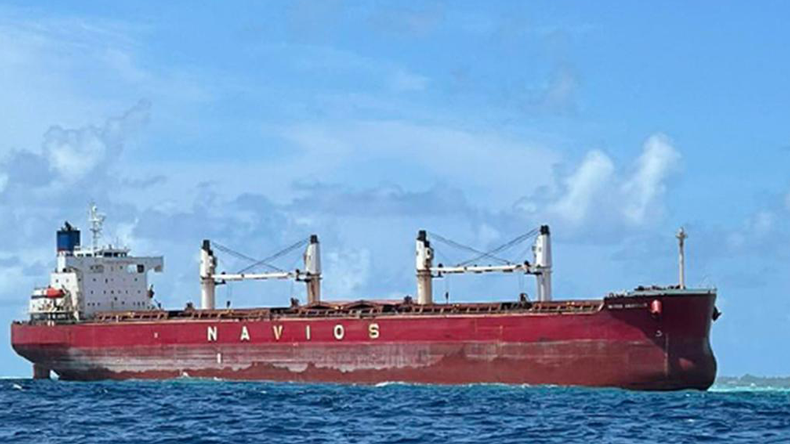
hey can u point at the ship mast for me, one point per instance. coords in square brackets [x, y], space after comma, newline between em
[97, 220]
[541, 268]
[681, 236]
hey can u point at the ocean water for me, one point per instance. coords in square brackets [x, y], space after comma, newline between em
[205, 411]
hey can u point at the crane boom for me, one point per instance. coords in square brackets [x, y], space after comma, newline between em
[541, 268]
[209, 278]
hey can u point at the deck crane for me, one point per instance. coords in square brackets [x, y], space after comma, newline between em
[541, 267]
[209, 278]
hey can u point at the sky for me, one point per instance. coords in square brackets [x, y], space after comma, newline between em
[255, 124]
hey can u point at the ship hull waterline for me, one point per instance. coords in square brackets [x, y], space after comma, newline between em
[622, 344]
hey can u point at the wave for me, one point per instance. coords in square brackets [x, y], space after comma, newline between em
[391, 383]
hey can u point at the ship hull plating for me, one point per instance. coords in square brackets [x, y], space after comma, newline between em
[624, 343]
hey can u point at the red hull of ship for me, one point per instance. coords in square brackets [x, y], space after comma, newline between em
[620, 344]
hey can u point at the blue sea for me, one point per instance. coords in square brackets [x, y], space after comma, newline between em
[205, 411]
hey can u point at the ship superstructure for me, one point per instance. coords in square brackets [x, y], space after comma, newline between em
[95, 279]
[96, 321]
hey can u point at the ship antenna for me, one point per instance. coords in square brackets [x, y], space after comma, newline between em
[97, 220]
[682, 236]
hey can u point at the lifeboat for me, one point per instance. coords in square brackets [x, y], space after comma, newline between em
[53, 293]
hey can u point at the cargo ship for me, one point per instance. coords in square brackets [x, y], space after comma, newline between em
[97, 320]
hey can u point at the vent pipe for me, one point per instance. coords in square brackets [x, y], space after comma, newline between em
[424, 263]
[208, 267]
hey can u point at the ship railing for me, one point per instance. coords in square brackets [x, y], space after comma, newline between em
[358, 310]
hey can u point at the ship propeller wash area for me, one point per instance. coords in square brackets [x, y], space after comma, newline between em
[98, 319]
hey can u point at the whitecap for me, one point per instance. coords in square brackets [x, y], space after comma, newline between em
[389, 383]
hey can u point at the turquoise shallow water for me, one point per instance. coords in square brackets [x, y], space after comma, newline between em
[199, 411]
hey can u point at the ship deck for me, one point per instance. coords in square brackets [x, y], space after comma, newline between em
[377, 308]
[356, 309]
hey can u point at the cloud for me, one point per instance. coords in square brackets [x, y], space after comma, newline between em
[584, 187]
[74, 153]
[599, 195]
[647, 184]
[72, 167]
[71, 155]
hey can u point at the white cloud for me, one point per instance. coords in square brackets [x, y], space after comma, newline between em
[73, 154]
[647, 184]
[74, 166]
[599, 194]
[584, 186]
